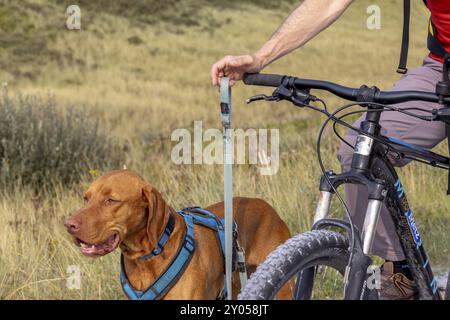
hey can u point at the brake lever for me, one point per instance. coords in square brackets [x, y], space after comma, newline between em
[299, 98]
[280, 93]
[261, 97]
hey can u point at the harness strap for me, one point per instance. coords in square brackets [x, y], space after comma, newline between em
[405, 38]
[433, 44]
[162, 240]
[171, 274]
[210, 220]
[203, 217]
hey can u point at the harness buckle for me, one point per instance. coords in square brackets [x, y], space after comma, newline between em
[189, 244]
[402, 70]
[241, 260]
[157, 250]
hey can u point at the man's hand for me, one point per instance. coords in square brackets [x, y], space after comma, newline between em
[235, 67]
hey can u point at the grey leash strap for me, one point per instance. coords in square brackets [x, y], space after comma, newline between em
[225, 109]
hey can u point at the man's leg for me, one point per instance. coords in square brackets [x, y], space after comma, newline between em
[401, 126]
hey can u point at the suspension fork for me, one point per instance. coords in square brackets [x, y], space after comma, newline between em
[376, 190]
[356, 275]
[323, 205]
[305, 278]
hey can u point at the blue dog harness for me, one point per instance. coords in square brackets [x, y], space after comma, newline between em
[170, 276]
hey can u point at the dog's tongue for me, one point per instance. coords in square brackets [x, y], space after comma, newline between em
[97, 249]
[100, 248]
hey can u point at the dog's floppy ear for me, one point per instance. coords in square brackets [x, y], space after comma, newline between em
[157, 211]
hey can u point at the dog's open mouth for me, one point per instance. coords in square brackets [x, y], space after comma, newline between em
[98, 249]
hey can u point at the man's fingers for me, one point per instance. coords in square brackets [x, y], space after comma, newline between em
[217, 68]
[229, 66]
[214, 74]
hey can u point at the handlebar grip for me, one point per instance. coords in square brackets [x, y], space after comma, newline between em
[267, 80]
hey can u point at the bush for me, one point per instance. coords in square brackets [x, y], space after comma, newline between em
[41, 145]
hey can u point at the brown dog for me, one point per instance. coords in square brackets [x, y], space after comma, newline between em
[122, 209]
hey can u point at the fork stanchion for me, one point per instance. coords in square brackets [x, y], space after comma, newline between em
[225, 108]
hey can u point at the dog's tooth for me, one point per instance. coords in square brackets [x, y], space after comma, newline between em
[83, 245]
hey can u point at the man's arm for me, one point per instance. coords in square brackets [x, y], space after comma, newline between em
[303, 24]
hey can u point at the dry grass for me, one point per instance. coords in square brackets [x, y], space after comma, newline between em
[141, 90]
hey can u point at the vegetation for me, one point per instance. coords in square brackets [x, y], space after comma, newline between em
[41, 146]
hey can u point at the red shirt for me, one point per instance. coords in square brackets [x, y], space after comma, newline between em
[440, 14]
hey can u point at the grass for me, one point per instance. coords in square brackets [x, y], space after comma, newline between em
[144, 75]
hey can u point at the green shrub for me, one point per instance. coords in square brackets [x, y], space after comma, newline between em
[41, 144]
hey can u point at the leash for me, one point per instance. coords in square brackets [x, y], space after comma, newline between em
[225, 109]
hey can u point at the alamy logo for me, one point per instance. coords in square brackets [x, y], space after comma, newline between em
[249, 146]
[374, 278]
[74, 279]
[73, 21]
[373, 22]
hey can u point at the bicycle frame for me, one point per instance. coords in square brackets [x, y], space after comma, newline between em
[383, 185]
[365, 152]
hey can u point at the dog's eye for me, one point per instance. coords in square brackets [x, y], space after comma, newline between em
[111, 201]
[86, 200]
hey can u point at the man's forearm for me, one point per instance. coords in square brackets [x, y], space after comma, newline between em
[303, 24]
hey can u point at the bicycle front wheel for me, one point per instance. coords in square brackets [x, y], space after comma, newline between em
[312, 263]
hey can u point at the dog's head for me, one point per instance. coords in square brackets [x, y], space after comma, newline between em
[120, 207]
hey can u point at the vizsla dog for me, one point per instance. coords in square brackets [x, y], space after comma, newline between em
[123, 210]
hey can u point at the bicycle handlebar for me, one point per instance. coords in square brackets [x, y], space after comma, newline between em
[262, 79]
[351, 94]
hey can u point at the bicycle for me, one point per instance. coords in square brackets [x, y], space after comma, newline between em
[307, 256]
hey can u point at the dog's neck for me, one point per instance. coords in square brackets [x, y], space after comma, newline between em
[138, 245]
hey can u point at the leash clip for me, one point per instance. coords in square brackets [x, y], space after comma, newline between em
[225, 102]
